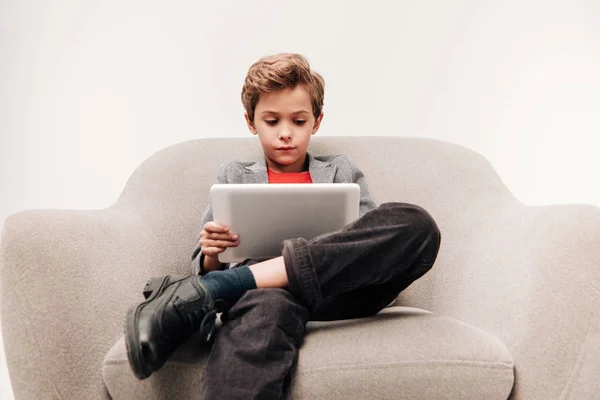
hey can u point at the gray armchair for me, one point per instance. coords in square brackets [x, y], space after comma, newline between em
[511, 307]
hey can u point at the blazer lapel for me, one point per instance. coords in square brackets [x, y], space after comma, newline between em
[257, 172]
[321, 172]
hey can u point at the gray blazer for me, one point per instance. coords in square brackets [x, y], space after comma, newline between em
[323, 169]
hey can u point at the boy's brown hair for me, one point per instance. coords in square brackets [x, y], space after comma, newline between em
[280, 71]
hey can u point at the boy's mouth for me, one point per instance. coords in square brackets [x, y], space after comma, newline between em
[286, 148]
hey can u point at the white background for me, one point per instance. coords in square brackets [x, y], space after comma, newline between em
[89, 89]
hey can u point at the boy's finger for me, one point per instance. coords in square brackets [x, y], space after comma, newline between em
[221, 243]
[223, 236]
[215, 228]
[212, 251]
[214, 239]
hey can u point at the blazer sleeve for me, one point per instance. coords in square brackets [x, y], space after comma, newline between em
[207, 216]
[366, 201]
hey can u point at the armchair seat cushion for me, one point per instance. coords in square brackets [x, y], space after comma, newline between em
[401, 353]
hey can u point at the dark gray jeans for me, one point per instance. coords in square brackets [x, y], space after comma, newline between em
[351, 273]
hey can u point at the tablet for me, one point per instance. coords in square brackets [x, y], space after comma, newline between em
[264, 215]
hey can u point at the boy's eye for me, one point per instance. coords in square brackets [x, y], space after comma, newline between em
[271, 122]
[300, 122]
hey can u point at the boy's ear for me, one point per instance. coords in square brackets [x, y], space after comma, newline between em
[250, 124]
[317, 124]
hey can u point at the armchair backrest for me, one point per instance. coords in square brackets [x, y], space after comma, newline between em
[448, 180]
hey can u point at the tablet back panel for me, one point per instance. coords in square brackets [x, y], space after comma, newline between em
[263, 215]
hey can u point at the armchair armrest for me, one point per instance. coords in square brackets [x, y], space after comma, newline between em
[531, 276]
[67, 279]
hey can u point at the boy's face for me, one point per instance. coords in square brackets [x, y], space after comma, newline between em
[284, 123]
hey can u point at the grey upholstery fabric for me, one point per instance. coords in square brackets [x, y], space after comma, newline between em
[403, 353]
[527, 275]
[584, 382]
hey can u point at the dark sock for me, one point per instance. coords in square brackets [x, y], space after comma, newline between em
[229, 285]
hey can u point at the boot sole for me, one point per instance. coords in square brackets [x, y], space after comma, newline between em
[135, 353]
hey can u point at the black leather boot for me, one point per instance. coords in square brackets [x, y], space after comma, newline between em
[175, 308]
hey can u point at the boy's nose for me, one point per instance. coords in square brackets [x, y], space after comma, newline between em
[285, 133]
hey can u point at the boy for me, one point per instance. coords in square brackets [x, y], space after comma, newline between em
[351, 273]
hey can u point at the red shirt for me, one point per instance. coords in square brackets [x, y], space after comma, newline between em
[289, 177]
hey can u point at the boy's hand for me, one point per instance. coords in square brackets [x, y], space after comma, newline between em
[215, 238]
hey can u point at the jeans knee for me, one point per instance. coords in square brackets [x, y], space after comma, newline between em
[426, 222]
[431, 237]
[423, 227]
[261, 308]
[270, 301]
[415, 215]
